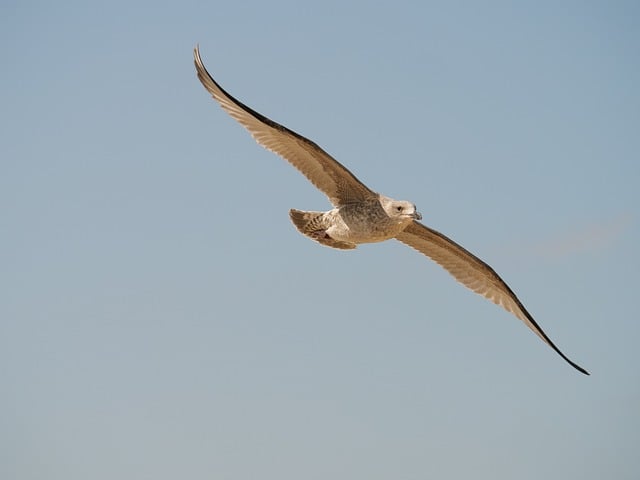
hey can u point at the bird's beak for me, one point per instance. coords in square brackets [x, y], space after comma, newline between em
[417, 215]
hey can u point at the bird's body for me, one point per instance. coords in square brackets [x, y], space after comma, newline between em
[361, 215]
[372, 220]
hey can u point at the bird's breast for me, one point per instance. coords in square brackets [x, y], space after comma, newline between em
[364, 223]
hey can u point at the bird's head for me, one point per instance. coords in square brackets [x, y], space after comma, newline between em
[399, 209]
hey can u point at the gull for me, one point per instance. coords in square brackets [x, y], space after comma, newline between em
[360, 215]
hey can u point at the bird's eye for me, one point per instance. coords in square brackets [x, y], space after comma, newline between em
[398, 209]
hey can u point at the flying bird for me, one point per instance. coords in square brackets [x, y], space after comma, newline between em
[360, 215]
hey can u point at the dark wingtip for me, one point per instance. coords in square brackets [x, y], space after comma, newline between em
[580, 369]
[574, 365]
[570, 362]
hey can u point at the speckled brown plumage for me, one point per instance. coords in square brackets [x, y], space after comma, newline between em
[361, 215]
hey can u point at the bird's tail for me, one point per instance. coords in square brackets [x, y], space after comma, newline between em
[314, 225]
[306, 222]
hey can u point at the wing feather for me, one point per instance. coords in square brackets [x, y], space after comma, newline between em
[473, 273]
[322, 170]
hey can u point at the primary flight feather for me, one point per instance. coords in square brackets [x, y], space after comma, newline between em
[361, 215]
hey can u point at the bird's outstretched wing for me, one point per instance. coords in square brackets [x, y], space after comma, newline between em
[474, 274]
[326, 173]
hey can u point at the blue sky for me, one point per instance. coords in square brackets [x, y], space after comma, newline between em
[161, 318]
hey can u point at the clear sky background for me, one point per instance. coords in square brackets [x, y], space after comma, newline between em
[161, 318]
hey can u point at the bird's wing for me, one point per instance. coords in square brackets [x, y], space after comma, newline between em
[326, 173]
[474, 274]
